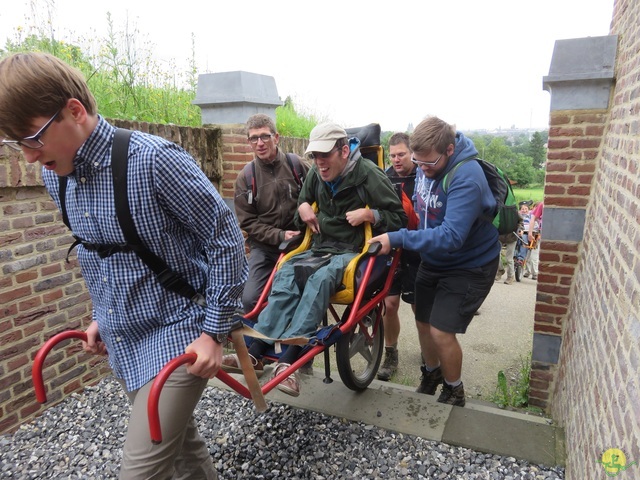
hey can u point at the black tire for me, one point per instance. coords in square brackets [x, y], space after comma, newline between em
[517, 266]
[359, 352]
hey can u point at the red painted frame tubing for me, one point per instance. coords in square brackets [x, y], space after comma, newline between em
[153, 401]
[154, 394]
[354, 318]
[38, 361]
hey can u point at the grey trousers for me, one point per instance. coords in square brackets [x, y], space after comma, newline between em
[261, 264]
[183, 453]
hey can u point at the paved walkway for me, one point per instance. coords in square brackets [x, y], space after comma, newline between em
[500, 338]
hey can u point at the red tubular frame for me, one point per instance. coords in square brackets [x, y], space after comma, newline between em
[36, 369]
[355, 316]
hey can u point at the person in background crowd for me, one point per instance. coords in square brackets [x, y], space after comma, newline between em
[535, 222]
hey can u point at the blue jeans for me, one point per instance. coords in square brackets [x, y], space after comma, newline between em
[295, 313]
[522, 251]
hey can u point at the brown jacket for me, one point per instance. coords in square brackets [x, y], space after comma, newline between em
[276, 200]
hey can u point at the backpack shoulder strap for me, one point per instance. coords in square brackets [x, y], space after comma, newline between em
[167, 277]
[249, 171]
[296, 167]
[62, 196]
[448, 178]
[119, 167]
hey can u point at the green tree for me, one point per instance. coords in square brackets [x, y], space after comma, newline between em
[384, 141]
[498, 153]
[521, 171]
[125, 80]
[537, 150]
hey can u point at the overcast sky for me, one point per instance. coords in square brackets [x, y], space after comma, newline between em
[478, 64]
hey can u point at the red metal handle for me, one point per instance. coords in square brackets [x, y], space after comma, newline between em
[154, 394]
[36, 369]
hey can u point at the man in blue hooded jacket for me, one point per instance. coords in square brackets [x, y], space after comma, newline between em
[458, 248]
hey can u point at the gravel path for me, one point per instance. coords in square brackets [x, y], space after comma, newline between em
[81, 438]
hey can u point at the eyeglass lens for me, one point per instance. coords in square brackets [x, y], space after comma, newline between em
[265, 138]
[321, 156]
[33, 142]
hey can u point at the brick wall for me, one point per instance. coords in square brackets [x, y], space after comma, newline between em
[574, 145]
[595, 392]
[40, 293]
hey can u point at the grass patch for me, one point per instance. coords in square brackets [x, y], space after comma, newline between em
[535, 193]
[514, 392]
[406, 380]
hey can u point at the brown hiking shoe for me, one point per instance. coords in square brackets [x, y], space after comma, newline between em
[509, 280]
[452, 395]
[429, 381]
[390, 365]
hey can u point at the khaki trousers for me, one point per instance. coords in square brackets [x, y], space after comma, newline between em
[183, 453]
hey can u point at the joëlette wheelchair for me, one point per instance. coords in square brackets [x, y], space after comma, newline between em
[357, 332]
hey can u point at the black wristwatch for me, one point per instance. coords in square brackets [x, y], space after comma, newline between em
[220, 338]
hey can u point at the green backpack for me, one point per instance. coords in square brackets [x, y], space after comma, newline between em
[506, 218]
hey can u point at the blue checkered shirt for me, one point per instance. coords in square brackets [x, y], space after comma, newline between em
[180, 216]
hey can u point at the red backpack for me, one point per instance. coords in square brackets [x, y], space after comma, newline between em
[407, 205]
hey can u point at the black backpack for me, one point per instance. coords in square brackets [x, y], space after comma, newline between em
[249, 171]
[168, 278]
[506, 217]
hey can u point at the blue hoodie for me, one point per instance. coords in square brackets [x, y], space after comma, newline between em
[452, 233]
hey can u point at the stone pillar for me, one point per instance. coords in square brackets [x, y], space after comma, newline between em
[232, 97]
[580, 80]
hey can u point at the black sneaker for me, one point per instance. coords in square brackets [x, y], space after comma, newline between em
[390, 365]
[452, 395]
[430, 381]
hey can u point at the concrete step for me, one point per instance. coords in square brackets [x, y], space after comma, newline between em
[479, 425]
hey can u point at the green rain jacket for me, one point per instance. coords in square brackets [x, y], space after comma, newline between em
[361, 184]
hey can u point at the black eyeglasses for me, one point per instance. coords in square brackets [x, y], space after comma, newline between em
[265, 138]
[33, 142]
[425, 164]
[322, 155]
